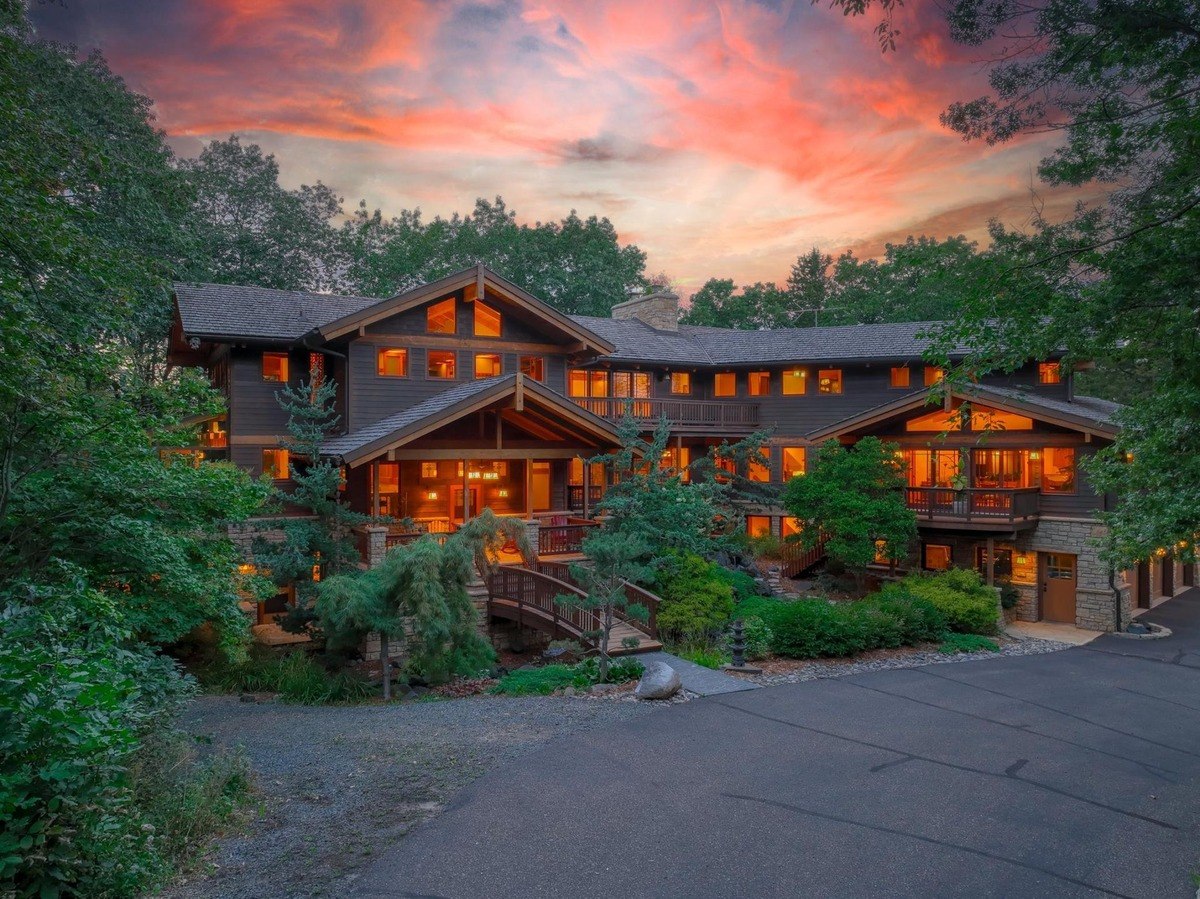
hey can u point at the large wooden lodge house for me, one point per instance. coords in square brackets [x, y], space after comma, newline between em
[468, 393]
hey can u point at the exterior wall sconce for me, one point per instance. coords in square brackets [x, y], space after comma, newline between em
[1034, 455]
[503, 494]
[432, 494]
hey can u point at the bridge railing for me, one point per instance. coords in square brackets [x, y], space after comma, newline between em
[537, 591]
[633, 593]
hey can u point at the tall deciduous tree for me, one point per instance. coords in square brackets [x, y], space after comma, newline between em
[854, 500]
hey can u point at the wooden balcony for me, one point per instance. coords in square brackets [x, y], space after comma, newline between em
[575, 496]
[563, 538]
[733, 415]
[975, 507]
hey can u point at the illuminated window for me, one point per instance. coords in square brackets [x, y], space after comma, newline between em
[681, 383]
[933, 375]
[487, 321]
[882, 556]
[1058, 470]
[795, 382]
[316, 369]
[439, 318]
[789, 527]
[756, 471]
[758, 383]
[429, 470]
[391, 362]
[677, 459]
[900, 376]
[533, 367]
[933, 468]
[935, 556]
[829, 380]
[577, 382]
[275, 463]
[598, 383]
[985, 419]
[793, 462]
[441, 364]
[1006, 469]
[487, 365]
[725, 384]
[389, 478]
[1049, 373]
[758, 525]
[935, 422]
[275, 367]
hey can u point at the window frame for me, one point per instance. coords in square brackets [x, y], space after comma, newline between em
[431, 309]
[750, 383]
[285, 368]
[686, 376]
[783, 468]
[717, 378]
[523, 363]
[1049, 374]
[479, 304]
[429, 356]
[933, 375]
[380, 353]
[835, 380]
[894, 382]
[926, 546]
[1044, 465]
[766, 518]
[793, 376]
[499, 368]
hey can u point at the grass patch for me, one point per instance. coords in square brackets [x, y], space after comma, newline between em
[956, 643]
[707, 656]
[295, 676]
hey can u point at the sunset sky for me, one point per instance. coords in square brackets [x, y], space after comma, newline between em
[722, 138]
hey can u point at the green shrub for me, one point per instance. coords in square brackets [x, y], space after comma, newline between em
[1009, 595]
[920, 621]
[294, 675]
[697, 602]
[536, 681]
[545, 680]
[967, 603]
[813, 628]
[758, 636]
[742, 584]
[956, 643]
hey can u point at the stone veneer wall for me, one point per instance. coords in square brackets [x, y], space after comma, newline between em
[660, 310]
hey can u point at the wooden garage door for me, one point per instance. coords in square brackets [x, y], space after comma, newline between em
[1058, 587]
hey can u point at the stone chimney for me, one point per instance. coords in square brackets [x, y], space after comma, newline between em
[659, 310]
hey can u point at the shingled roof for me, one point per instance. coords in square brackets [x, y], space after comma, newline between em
[216, 311]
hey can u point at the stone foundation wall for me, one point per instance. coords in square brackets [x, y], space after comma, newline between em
[1094, 600]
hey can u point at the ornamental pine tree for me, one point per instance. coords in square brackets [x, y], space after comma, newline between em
[318, 541]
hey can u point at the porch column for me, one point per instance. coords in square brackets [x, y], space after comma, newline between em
[529, 488]
[991, 561]
[466, 483]
[375, 489]
[587, 487]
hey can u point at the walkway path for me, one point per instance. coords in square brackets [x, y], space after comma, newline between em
[1073, 773]
[698, 679]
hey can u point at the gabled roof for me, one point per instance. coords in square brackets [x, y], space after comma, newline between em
[224, 311]
[1090, 415]
[480, 277]
[449, 405]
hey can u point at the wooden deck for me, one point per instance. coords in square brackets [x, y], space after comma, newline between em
[620, 631]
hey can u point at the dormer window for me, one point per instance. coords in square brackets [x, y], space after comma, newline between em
[487, 321]
[439, 318]
[1049, 373]
[275, 367]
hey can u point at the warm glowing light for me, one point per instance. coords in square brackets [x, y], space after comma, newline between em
[246, 568]
[432, 494]
[503, 494]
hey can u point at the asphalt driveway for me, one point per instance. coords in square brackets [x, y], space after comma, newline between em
[1075, 773]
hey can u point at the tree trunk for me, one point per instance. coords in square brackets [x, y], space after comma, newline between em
[607, 629]
[386, 661]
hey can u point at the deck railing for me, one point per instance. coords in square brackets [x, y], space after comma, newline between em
[556, 539]
[973, 504]
[797, 559]
[678, 412]
[407, 537]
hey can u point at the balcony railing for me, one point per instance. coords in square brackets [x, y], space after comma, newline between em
[575, 496]
[556, 539]
[679, 413]
[982, 505]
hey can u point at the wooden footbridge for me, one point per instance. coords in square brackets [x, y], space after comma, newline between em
[528, 597]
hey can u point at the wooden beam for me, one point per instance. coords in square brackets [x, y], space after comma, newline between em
[519, 394]
[487, 455]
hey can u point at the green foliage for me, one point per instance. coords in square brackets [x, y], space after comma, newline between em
[1009, 595]
[87, 740]
[614, 560]
[296, 676]
[545, 680]
[697, 598]
[806, 629]
[419, 594]
[576, 264]
[706, 656]
[758, 636]
[953, 644]
[853, 498]
[968, 604]
[742, 584]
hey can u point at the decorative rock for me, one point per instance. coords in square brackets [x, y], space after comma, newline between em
[569, 691]
[659, 681]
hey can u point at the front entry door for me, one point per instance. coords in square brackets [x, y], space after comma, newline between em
[456, 502]
[1058, 587]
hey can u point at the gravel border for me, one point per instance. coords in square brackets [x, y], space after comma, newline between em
[817, 670]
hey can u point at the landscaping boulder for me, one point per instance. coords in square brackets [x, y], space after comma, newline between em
[659, 681]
